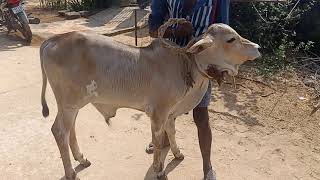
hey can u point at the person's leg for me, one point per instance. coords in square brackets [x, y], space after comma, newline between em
[201, 119]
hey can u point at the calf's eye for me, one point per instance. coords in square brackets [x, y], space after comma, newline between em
[231, 40]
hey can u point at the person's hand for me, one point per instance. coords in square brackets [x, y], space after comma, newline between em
[184, 30]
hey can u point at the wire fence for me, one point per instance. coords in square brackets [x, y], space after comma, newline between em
[142, 34]
[138, 36]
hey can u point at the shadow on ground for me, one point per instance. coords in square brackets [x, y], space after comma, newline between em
[151, 175]
[78, 169]
[9, 42]
[242, 100]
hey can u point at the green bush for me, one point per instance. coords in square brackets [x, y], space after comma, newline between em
[273, 26]
[79, 5]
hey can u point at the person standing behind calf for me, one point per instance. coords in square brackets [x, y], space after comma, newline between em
[200, 14]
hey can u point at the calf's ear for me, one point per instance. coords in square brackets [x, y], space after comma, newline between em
[200, 45]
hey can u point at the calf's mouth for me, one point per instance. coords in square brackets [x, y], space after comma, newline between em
[221, 75]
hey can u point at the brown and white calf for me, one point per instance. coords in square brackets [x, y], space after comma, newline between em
[95, 69]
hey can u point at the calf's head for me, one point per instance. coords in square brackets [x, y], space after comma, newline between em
[222, 47]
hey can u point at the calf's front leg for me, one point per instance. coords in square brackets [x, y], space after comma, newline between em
[157, 126]
[171, 132]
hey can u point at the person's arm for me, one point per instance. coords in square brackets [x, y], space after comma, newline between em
[159, 10]
[182, 31]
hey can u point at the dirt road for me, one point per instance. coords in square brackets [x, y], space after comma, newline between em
[256, 135]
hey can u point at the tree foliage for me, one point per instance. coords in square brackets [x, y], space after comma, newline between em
[79, 5]
[273, 26]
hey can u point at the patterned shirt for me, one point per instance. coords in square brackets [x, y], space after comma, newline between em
[203, 14]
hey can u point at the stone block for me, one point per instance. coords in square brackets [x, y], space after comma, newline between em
[72, 15]
[62, 12]
[84, 14]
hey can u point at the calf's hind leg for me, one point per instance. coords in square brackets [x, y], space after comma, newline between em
[61, 132]
[78, 156]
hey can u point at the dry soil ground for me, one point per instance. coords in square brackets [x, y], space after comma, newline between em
[258, 134]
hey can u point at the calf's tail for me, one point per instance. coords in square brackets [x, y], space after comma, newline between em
[45, 109]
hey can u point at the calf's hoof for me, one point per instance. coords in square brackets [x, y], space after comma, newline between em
[150, 148]
[73, 176]
[85, 163]
[179, 156]
[162, 176]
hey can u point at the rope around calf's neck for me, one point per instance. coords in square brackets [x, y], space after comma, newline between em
[169, 44]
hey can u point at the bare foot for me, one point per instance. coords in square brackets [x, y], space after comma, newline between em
[211, 175]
